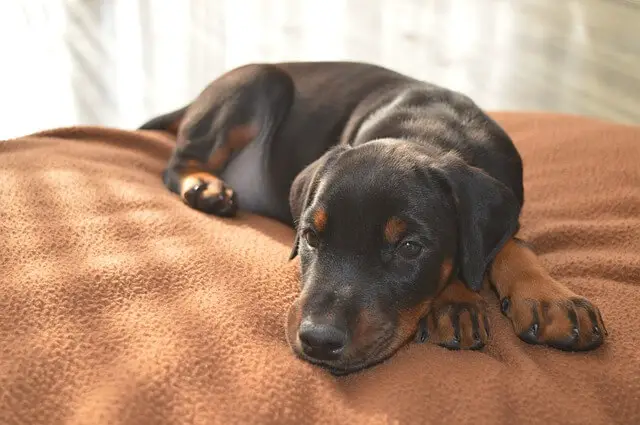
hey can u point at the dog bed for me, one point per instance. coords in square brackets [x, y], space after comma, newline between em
[121, 305]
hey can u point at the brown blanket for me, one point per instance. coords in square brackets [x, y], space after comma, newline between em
[120, 305]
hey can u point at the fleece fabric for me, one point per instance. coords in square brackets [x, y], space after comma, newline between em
[121, 305]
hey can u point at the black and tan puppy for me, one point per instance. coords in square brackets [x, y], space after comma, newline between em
[405, 196]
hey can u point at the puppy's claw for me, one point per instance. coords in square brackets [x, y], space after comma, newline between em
[565, 323]
[423, 331]
[530, 336]
[504, 305]
[458, 319]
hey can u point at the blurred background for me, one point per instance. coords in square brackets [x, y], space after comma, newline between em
[119, 62]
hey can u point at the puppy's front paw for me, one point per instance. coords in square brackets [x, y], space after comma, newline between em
[556, 318]
[457, 319]
[209, 194]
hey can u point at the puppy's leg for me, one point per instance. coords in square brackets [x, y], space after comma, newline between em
[244, 106]
[457, 319]
[541, 309]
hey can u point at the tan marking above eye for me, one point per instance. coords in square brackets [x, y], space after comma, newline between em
[320, 219]
[394, 229]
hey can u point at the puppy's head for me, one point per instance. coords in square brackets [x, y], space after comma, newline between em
[380, 229]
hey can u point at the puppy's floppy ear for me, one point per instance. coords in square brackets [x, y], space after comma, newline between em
[304, 188]
[487, 216]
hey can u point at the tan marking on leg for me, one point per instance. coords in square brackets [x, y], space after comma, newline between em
[240, 136]
[408, 320]
[219, 158]
[458, 318]
[193, 173]
[457, 292]
[541, 309]
[518, 269]
[237, 138]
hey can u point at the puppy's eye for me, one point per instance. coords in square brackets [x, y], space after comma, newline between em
[409, 249]
[312, 238]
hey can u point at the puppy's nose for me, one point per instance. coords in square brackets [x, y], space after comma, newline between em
[321, 341]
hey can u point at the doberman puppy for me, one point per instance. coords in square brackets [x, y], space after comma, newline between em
[406, 198]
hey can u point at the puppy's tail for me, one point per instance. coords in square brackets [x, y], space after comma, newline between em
[168, 122]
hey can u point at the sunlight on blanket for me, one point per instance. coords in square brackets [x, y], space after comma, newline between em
[63, 184]
[172, 249]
